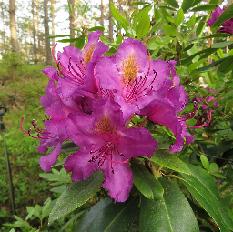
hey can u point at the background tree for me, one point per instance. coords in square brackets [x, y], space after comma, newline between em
[47, 40]
[72, 17]
[14, 43]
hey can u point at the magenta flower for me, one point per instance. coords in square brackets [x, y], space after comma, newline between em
[107, 144]
[226, 27]
[130, 76]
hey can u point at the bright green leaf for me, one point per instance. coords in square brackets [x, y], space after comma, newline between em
[172, 3]
[204, 161]
[172, 162]
[118, 16]
[187, 4]
[146, 183]
[179, 17]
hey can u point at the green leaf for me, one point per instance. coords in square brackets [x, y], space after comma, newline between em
[142, 22]
[206, 7]
[118, 16]
[79, 43]
[201, 25]
[170, 30]
[172, 3]
[75, 196]
[226, 65]
[107, 216]
[95, 28]
[222, 44]
[203, 188]
[146, 183]
[187, 4]
[180, 17]
[170, 214]
[172, 162]
[204, 161]
[213, 168]
[227, 14]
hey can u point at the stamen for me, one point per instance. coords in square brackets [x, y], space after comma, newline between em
[104, 153]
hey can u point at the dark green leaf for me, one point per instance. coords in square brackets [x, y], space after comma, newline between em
[226, 65]
[75, 196]
[79, 43]
[227, 14]
[107, 216]
[146, 183]
[172, 3]
[172, 162]
[100, 28]
[187, 4]
[203, 188]
[170, 214]
[222, 44]
[118, 16]
[206, 7]
[201, 25]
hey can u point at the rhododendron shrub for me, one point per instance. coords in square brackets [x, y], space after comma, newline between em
[135, 113]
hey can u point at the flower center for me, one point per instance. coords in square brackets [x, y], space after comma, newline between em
[89, 53]
[130, 69]
[104, 125]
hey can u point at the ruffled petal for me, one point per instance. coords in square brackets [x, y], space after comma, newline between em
[79, 166]
[118, 183]
[137, 142]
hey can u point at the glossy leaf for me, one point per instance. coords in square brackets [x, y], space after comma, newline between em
[146, 183]
[107, 216]
[179, 17]
[172, 162]
[203, 188]
[75, 196]
[171, 214]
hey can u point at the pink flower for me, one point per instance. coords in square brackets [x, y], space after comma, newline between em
[107, 144]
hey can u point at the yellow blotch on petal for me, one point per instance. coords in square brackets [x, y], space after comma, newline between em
[104, 125]
[130, 68]
[88, 53]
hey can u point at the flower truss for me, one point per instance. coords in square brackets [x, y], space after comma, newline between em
[91, 99]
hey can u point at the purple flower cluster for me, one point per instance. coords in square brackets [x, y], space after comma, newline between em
[226, 27]
[90, 100]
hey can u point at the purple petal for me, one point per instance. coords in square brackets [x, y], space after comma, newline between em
[137, 142]
[79, 166]
[51, 72]
[46, 162]
[119, 183]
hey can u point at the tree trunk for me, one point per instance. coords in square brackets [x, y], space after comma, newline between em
[14, 44]
[53, 2]
[110, 24]
[102, 13]
[34, 29]
[47, 40]
[3, 16]
[72, 17]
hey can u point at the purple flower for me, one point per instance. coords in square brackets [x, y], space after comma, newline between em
[226, 27]
[107, 144]
[214, 16]
[129, 76]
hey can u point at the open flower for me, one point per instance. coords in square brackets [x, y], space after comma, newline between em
[107, 144]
